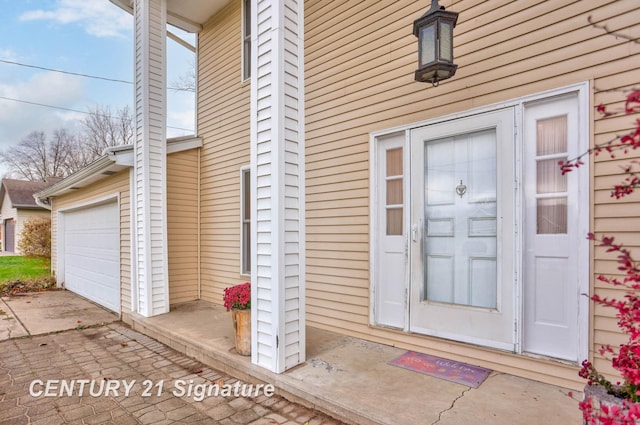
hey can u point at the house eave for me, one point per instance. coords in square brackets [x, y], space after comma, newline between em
[97, 170]
[27, 207]
[188, 16]
[114, 160]
[183, 143]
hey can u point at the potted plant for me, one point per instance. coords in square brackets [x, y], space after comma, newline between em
[237, 299]
[606, 402]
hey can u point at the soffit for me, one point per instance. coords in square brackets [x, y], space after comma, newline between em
[187, 15]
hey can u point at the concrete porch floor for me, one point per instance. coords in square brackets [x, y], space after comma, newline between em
[351, 380]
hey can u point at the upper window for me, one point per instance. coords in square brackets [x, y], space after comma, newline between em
[246, 39]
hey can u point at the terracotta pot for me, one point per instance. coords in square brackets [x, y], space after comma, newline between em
[242, 327]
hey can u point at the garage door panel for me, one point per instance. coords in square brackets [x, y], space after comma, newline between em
[92, 253]
[97, 291]
[94, 249]
[99, 271]
[102, 231]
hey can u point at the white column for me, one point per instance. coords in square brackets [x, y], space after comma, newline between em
[149, 218]
[277, 172]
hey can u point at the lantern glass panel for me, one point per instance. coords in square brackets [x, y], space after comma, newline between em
[427, 44]
[446, 40]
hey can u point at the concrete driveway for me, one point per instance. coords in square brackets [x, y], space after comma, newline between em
[37, 313]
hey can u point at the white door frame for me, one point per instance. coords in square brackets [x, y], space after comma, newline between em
[583, 92]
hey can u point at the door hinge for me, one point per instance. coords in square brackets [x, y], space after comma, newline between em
[277, 342]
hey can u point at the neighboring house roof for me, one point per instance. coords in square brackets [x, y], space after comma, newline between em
[20, 192]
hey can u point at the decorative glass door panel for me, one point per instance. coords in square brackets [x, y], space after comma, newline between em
[462, 220]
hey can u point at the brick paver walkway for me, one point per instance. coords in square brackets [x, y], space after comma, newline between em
[116, 355]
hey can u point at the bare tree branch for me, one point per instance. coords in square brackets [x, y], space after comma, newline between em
[186, 81]
[36, 158]
[613, 33]
[103, 130]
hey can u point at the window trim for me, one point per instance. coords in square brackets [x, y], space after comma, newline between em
[245, 248]
[245, 71]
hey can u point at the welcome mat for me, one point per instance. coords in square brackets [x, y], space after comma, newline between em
[458, 372]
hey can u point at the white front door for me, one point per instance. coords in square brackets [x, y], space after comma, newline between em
[462, 218]
[555, 230]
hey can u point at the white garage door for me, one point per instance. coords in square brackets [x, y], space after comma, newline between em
[92, 253]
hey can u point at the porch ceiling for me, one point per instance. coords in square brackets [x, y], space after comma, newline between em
[186, 15]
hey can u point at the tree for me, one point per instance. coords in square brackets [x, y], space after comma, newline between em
[103, 130]
[36, 157]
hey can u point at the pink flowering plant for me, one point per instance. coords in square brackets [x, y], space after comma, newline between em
[626, 357]
[238, 297]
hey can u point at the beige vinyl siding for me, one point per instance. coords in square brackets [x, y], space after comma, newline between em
[182, 222]
[118, 184]
[223, 124]
[359, 63]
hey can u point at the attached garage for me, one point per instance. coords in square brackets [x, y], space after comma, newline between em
[89, 252]
[91, 227]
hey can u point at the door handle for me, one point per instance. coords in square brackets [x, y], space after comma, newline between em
[414, 232]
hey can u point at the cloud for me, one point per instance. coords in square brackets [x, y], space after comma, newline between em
[99, 18]
[18, 119]
[8, 55]
[180, 113]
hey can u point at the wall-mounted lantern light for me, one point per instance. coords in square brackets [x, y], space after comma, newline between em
[434, 30]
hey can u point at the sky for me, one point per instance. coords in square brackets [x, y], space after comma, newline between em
[92, 37]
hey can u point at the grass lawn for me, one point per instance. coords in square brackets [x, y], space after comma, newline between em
[23, 268]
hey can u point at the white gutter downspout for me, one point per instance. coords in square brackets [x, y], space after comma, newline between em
[41, 204]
